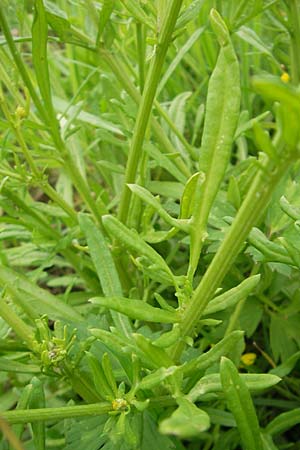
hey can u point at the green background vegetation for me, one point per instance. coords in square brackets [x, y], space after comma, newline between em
[149, 225]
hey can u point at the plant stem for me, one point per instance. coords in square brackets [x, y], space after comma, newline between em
[140, 40]
[120, 72]
[248, 215]
[146, 105]
[295, 41]
[21, 67]
[43, 414]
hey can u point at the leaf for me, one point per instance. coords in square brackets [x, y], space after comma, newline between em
[171, 189]
[281, 344]
[221, 118]
[39, 56]
[212, 383]
[136, 309]
[157, 377]
[189, 13]
[253, 39]
[178, 58]
[284, 422]
[240, 403]
[152, 439]
[188, 195]
[58, 20]
[134, 242]
[156, 356]
[105, 266]
[233, 296]
[164, 160]
[148, 198]
[106, 11]
[186, 422]
[86, 117]
[8, 365]
[39, 299]
[222, 348]
[287, 366]
[139, 14]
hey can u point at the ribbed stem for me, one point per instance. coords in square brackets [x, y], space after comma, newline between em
[145, 108]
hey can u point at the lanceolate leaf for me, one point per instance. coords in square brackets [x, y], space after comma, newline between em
[39, 55]
[134, 242]
[41, 300]
[137, 309]
[240, 403]
[104, 265]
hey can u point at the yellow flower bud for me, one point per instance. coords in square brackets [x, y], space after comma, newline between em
[20, 112]
[285, 77]
[248, 358]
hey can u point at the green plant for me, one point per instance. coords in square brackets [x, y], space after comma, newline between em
[135, 280]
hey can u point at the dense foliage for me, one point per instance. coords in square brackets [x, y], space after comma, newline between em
[149, 224]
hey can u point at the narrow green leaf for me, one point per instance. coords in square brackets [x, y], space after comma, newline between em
[158, 357]
[233, 296]
[212, 383]
[139, 14]
[274, 89]
[133, 241]
[39, 55]
[249, 36]
[287, 366]
[168, 338]
[290, 210]
[137, 309]
[108, 372]
[240, 403]
[101, 257]
[148, 198]
[105, 266]
[157, 377]
[188, 196]
[178, 58]
[9, 365]
[222, 348]
[58, 20]
[40, 299]
[164, 160]
[106, 11]
[186, 422]
[268, 443]
[284, 422]
[102, 386]
[189, 13]
[221, 118]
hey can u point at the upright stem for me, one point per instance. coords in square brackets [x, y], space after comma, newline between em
[21, 67]
[140, 39]
[248, 215]
[146, 105]
[295, 40]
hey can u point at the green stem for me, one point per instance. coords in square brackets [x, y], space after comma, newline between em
[145, 108]
[21, 67]
[120, 72]
[295, 41]
[67, 412]
[248, 215]
[77, 179]
[140, 40]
